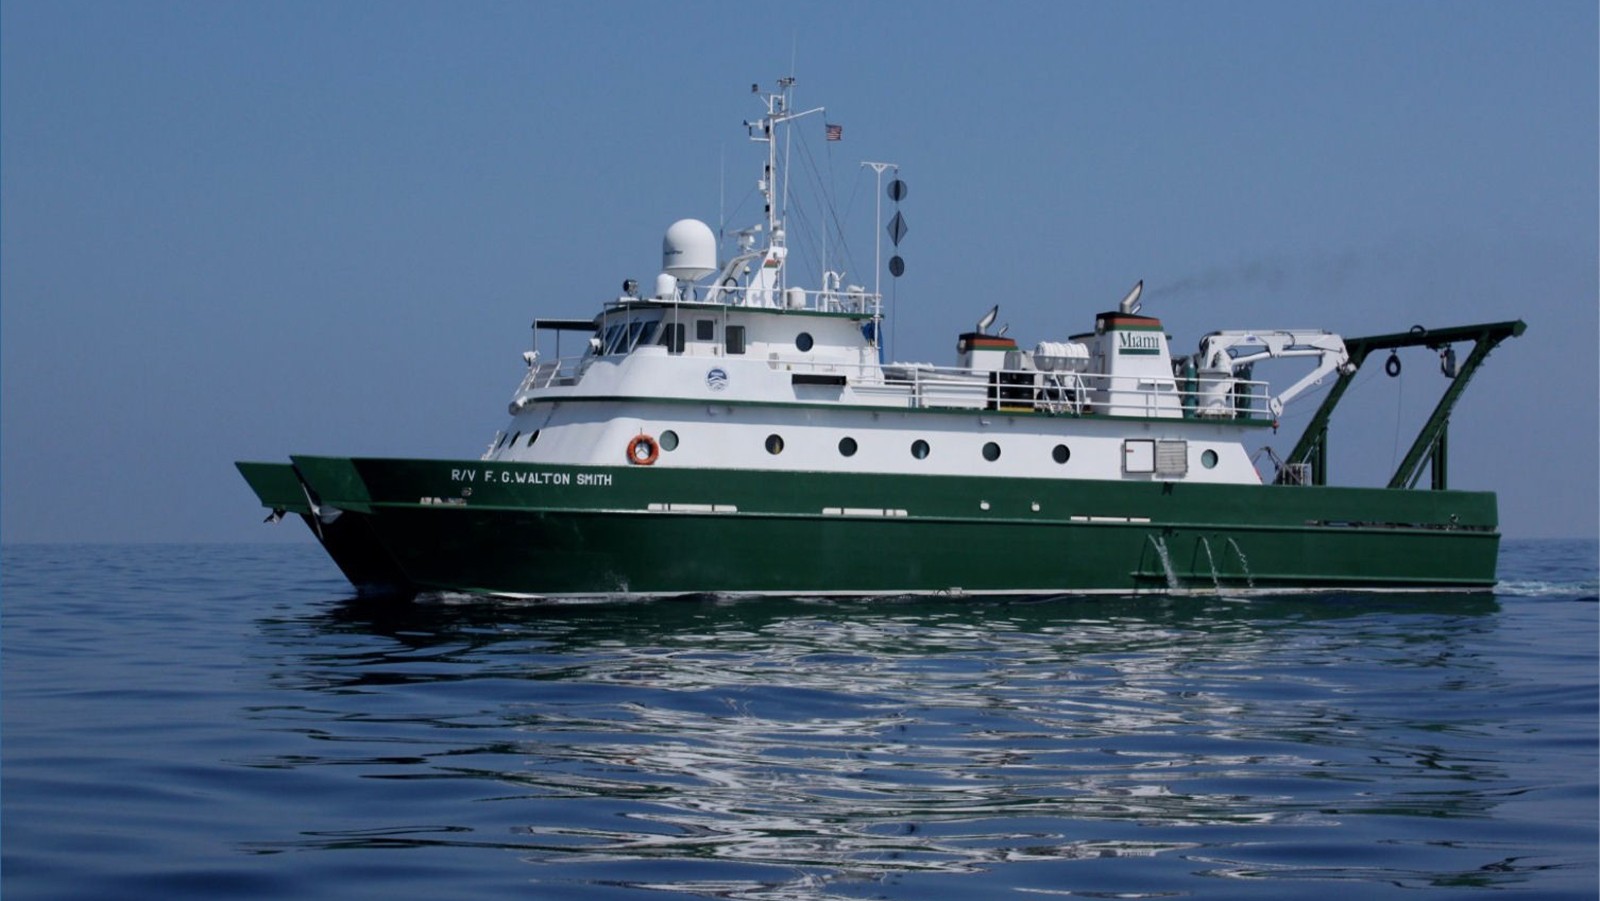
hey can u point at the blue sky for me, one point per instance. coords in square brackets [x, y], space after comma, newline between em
[244, 230]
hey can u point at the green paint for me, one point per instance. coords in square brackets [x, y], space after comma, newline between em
[1313, 442]
[420, 525]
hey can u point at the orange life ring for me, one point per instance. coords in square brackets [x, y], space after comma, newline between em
[643, 450]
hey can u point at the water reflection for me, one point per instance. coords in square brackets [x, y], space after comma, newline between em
[772, 748]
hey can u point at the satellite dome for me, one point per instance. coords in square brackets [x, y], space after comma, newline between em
[689, 251]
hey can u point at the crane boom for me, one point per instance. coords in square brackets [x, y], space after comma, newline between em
[1224, 353]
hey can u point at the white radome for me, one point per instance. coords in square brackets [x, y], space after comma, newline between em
[689, 250]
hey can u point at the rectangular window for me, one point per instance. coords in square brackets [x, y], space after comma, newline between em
[704, 329]
[649, 334]
[733, 339]
[672, 337]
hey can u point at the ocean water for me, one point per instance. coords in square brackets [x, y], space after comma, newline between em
[225, 721]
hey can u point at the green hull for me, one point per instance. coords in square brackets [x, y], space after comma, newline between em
[349, 540]
[409, 526]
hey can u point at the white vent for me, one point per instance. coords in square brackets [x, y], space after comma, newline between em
[1172, 459]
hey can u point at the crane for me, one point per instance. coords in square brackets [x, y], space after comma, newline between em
[1224, 353]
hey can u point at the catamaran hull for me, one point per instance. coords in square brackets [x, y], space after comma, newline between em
[410, 526]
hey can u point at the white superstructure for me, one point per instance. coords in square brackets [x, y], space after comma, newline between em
[726, 365]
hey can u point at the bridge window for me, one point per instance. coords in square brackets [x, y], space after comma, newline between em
[733, 339]
[641, 331]
[672, 337]
[704, 329]
[614, 337]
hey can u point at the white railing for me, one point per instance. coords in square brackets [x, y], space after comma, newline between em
[1026, 390]
[1063, 393]
[842, 300]
[553, 373]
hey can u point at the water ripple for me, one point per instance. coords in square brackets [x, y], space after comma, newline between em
[789, 748]
[851, 742]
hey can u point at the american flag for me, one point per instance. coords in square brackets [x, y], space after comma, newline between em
[835, 132]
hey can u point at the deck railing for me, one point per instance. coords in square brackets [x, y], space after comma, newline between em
[1024, 390]
[845, 299]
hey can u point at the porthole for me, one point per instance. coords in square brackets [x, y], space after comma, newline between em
[803, 341]
[514, 439]
[533, 437]
[1060, 453]
[847, 446]
[1209, 459]
[669, 440]
[774, 444]
[991, 452]
[919, 449]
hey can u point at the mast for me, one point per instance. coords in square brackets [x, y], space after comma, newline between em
[877, 254]
[778, 113]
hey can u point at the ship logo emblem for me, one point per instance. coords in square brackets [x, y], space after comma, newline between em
[716, 378]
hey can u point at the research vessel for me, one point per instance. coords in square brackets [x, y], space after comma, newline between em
[726, 431]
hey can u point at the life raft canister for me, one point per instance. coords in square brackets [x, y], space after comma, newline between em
[643, 450]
